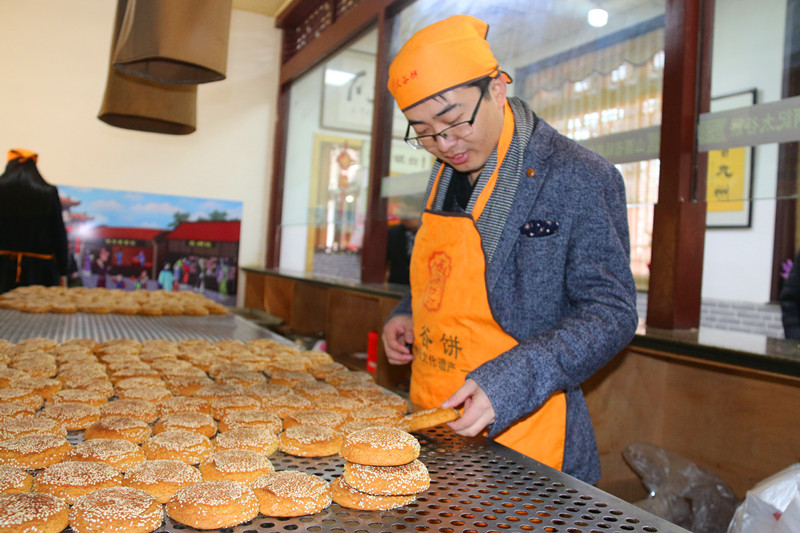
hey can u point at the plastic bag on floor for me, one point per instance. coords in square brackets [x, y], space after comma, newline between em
[789, 522]
[682, 492]
[772, 506]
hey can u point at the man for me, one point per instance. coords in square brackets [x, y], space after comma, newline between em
[400, 243]
[521, 286]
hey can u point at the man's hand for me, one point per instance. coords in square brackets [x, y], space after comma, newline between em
[397, 333]
[478, 410]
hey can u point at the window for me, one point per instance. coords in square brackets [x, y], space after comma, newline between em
[626, 77]
[328, 146]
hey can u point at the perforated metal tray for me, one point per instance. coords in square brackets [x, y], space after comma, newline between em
[477, 485]
[15, 326]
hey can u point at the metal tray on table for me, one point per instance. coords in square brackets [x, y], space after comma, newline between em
[477, 485]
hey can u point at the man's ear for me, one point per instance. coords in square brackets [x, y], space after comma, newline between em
[499, 90]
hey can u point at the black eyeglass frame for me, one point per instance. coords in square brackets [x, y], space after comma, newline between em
[416, 142]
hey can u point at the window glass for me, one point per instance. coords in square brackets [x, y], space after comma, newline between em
[750, 138]
[327, 158]
[600, 86]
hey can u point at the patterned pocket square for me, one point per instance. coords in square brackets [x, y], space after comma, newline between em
[538, 228]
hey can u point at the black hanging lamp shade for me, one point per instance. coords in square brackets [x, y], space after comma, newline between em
[135, 103]
[174, 41]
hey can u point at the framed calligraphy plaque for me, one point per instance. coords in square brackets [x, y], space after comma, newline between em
[730, 173]
[348, 94]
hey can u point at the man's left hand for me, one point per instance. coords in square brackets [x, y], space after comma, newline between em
[478, 410]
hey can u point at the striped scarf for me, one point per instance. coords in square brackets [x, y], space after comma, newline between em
[492, 221]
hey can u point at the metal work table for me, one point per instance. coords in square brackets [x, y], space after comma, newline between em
[477, 485]
[15, 326]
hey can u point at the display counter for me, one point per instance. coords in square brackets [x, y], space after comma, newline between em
[307, 302]
[723, 399]
[343, 312]
[726, 405]
[476, 485]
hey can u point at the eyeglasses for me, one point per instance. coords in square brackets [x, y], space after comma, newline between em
[458, 130]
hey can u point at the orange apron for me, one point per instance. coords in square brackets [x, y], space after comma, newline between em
[454, 329]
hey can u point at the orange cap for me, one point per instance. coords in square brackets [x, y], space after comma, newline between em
[22, 154]
[440, 57]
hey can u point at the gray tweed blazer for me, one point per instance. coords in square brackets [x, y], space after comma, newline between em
[560, 283]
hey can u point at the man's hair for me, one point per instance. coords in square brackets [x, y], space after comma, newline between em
[481, 84]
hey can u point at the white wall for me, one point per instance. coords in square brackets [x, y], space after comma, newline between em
[304, 113]
[748, 52]
[53, 68]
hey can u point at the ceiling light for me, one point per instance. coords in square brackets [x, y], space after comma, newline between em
[598, 17]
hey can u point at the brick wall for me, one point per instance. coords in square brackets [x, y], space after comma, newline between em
[340, 265]
[747, 317]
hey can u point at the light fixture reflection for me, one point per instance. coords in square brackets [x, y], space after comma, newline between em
[337, 77]
[597, 17]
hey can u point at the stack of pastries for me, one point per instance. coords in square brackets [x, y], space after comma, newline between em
[381, 470]
[187, 428]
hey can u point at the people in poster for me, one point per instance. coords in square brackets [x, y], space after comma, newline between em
[101, 268]
[165, 278]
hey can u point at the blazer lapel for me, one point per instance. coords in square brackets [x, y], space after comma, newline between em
[536, 157]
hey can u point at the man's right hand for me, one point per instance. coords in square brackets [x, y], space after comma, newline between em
[397, 334]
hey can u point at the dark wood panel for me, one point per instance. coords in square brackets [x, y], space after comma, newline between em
[254, 291]
[735, 421]
[373, 256]
[309, 312]
[676, 268]
[335, 36]
[392, 377]
[277, 184]
[278, 297]
[625, 402]
[351, 316]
